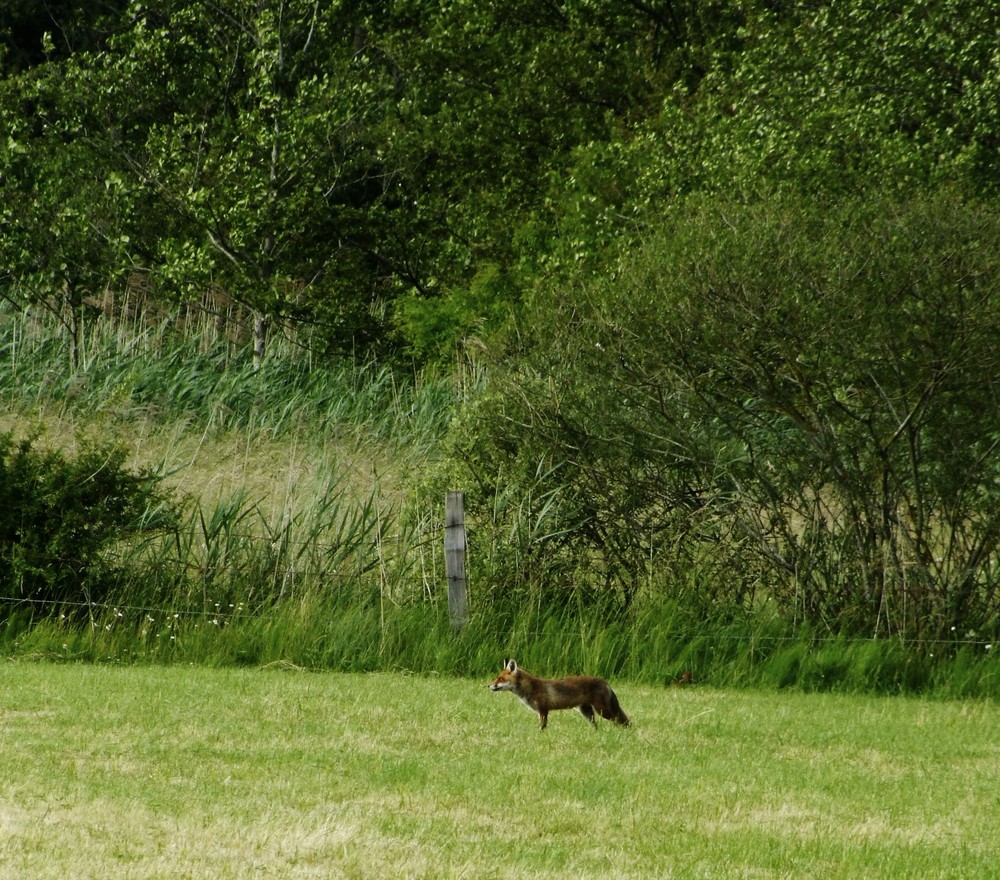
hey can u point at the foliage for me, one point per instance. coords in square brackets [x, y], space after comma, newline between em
[60, 517]
[64, 214]
[836, 97]
[720, 259]
[260, 147]
[436, 327]
[801, 394]
[320, 161]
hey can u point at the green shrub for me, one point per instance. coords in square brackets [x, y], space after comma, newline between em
[785, 399]
[60, 516]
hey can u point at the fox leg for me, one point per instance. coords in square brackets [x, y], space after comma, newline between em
[587, 711]
[544, 716]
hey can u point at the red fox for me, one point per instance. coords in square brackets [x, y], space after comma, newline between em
[589, 695]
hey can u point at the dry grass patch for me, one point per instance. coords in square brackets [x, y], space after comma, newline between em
[211, 465]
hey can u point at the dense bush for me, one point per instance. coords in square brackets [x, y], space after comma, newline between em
[783, 400]
[60, 515]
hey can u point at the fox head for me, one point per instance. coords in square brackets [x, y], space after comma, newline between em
[505, 680]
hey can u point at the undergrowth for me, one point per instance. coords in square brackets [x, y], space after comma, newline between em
[337, 567]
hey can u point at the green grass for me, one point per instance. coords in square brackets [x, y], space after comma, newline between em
[359, 631]
[156, 772]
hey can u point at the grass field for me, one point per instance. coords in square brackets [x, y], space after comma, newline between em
[148, 772]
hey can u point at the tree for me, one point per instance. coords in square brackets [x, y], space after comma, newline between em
[64, 208]
[511, 124]
[835, 97]
[250, 121]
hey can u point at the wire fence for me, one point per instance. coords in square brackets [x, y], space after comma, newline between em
[279, 558]
[262, 568]
[704, 633]
[115, 607]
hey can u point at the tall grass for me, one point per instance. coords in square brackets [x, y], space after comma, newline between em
[204, 379]
[290, 479]
[299, 540]
[366, 632]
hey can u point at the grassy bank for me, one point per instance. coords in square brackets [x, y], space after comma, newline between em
[168, 771]
[372, 633]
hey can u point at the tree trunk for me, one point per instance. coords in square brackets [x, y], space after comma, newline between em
[259, 339]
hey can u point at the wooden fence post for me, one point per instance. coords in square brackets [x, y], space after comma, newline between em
[454, 559]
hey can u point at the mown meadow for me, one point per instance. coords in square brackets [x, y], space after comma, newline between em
[187, 772]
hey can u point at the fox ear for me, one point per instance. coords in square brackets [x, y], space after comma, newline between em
[510, 665]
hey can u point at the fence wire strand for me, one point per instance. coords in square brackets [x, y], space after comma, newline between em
[244, 612]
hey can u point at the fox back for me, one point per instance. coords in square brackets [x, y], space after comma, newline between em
[592, 696]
